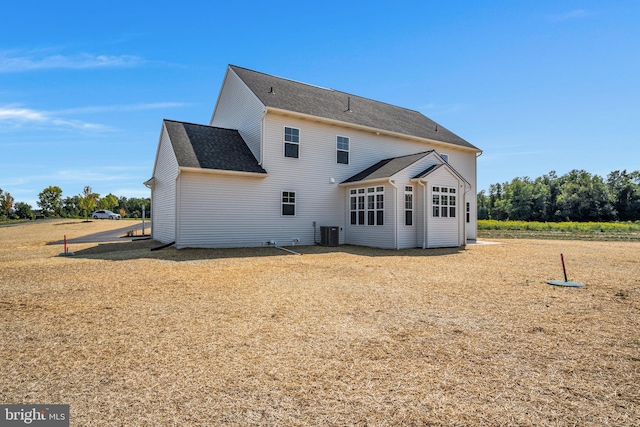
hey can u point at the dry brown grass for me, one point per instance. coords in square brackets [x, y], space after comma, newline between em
[339, 336]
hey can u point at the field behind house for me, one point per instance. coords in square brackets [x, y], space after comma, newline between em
[338, 336]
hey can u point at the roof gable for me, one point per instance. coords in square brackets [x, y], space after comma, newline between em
[284, 94]
[433, 168]
[209, 147]
[387, 168]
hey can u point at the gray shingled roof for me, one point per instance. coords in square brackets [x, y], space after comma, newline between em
[331, 104]
[386, 168]
[433, 168]
[208, 147]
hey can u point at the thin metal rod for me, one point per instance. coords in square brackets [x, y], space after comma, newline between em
[564, 269]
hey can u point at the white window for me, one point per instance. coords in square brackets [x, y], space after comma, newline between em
[342, 150]
[408, 205]
[443, 202]
[291, 142]
[288, 203]
[367, 206]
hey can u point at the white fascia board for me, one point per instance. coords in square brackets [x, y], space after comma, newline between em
[221, 172]
[364, 182]
[377, 131]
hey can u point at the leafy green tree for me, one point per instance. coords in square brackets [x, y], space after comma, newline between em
[133, 206]
[6, 203]
[24, 211]
[625, 191]
[483, 205]
[49, 200]
[71, 207]
[88, 201]
[584, 197]
[108, 202]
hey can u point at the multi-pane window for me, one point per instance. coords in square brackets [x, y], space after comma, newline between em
[288, 203]
[291, 142]
[468, 212]
[367, 206]
[408, 205]
[443, 202]
[342, 149]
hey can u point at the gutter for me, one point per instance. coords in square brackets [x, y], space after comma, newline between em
[424, 213]
[221, 172]
[395, 219]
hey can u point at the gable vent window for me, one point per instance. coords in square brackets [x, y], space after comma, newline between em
[342, 145]
[291, 142]
[443, 202]
[288, 203]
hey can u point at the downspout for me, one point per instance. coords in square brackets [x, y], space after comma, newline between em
[424, 213]
[177, 210]
[464, 217]
[395, 219]
[260, 160]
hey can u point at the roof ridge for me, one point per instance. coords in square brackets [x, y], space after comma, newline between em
[329, 89]
[285, 78]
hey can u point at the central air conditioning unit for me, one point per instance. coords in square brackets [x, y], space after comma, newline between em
[329, 236]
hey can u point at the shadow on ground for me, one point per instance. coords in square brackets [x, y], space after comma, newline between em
[141, 249]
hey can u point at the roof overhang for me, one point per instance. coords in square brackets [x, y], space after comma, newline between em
[363, 128]
[364, 182]
[222, 172]
[150, 183]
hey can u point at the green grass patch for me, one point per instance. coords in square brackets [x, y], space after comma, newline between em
[560, 230]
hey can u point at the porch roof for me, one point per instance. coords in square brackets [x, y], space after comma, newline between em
[209, 147]
[386, 168]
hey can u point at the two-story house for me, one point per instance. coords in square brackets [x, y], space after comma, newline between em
[281, 159]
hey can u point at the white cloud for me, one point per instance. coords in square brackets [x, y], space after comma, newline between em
[131, 107]
[12, 62]
[574, 14]
[17, 116]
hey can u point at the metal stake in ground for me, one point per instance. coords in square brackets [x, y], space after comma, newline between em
[566, 281]
[66, 250]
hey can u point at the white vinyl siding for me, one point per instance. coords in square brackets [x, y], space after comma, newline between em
[443, 231]
[239, 108]
[228, 211]
[164, 192]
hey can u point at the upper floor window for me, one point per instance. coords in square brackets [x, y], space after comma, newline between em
[291, 142]
[342, 146]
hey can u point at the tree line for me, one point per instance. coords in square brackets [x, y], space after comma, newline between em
[52, 204]
[575, 196]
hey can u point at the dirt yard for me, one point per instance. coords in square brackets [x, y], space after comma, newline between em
[342, 336]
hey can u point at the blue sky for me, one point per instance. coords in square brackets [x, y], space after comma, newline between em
[538, 86]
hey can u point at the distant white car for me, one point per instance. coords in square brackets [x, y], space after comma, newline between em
[105, 215]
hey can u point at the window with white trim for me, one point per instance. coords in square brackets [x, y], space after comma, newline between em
[366, 206]
[408, 205]
[288, 203]
[342, 150]
[443, 202]
[291, 142]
